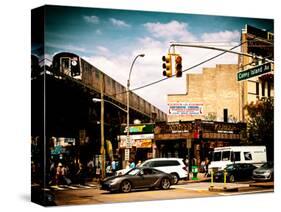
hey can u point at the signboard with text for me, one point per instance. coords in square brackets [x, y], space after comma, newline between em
[256, 71]
[185, 108]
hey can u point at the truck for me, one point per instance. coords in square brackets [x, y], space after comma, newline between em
[223, 156]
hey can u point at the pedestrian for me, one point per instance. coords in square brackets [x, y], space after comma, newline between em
[194, 162]
[139, 163]
[80, 174]
[202, 166]
[127, 165]
[90, 166]
[108, 170]
[59, 174]
[98, 172]
[206, 167]
[132, 164]
[113, 166]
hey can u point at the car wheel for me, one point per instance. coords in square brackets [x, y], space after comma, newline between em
[175, 178]
[165, 183]
[231, 179]
[126, 186]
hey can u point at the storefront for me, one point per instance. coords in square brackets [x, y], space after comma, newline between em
[140, 143]
[195, 140]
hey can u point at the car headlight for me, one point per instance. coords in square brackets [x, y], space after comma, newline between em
[267, 172]
[112, 181]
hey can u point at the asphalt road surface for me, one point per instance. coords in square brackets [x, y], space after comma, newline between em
[194, 190]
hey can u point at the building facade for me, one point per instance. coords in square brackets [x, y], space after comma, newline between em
[211, 95]
[260, 43]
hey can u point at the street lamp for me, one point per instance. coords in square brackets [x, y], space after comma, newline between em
[99, 100]
[128, 98]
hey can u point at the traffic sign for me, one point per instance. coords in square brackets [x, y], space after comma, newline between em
[252, 72]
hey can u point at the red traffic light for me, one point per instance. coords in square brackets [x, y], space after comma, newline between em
[178, 59]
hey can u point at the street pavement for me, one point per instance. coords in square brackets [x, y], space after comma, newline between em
[71, 195]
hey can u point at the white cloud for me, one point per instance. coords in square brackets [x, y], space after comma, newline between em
[118, 23]
[222, 36]
[149, 68]
[103, 50]
[91, 19]
[65, 47]
[172, 31]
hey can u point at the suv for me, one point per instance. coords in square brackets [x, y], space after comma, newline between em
[173, 166]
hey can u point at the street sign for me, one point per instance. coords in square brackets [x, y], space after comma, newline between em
[252, 72]
[128, 142]
[127, 154]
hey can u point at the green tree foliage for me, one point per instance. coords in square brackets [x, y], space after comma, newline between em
[260, 124]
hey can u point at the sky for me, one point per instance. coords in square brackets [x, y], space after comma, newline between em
[110, 40]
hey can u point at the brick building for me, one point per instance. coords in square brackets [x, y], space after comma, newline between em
[215, 91]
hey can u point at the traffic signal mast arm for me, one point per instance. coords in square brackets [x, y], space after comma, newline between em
[220, 49]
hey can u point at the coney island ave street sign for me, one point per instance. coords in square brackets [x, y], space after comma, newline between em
[258, 70]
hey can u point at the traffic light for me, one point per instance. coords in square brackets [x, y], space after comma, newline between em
[167, 65]
[178, 66]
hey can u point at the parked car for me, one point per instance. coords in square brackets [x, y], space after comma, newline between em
[173, 166]
[234, 172]
[137, 178]
[264, 173]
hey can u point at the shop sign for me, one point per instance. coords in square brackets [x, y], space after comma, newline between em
[139, 141]
[127, 154]
[185, 108]
[139, 128]
[137, 137]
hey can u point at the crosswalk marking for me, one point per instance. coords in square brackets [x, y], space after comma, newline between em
[72, 187]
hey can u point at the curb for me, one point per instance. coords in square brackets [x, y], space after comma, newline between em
[262, 185]
[224, 189]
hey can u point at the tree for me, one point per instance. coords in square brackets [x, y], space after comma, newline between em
[260, 124]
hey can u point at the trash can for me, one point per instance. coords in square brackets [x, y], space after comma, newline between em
[194, 172]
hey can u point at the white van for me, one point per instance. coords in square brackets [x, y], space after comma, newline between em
[222, 156]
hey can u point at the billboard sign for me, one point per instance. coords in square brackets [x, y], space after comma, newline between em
[185, 108]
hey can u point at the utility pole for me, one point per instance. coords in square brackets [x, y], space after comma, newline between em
[128, 104]
[102, 150]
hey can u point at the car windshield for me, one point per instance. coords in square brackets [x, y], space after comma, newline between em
[267, 166]
[133, 172]
[229, 167]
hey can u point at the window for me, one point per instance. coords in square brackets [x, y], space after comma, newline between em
[217, 156]
[247, 156]
[235, 156]
[263, 88]
[147, 171]
[148, 164]
[268, 88]
[257, 88]
[97, 74]
[226, 155]
[165, 163]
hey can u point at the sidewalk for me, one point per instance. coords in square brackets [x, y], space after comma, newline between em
[200, 178]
